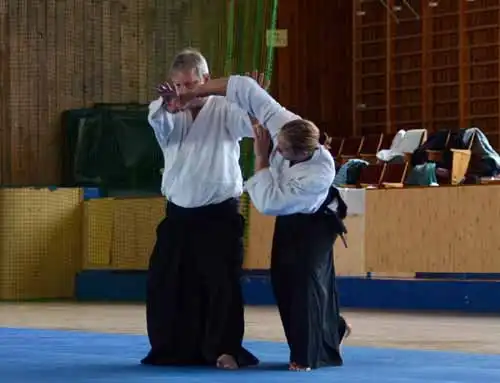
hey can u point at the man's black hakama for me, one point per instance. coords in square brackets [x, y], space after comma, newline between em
[195, 307]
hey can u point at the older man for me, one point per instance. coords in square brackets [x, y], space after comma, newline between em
[195, 313]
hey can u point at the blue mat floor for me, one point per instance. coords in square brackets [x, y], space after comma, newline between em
[51, 356]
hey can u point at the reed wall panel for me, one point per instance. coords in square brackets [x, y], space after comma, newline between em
[65, 54]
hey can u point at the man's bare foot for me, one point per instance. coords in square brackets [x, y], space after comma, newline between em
[295, 367]
[227, 362]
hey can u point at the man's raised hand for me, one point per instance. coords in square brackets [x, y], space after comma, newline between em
[169, 95]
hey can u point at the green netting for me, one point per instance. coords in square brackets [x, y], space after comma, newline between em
[112, 147]
[125, 106]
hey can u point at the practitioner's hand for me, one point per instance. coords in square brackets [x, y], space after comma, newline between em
[260, 78]
[253, 120]
[262, 142]
[169, 95]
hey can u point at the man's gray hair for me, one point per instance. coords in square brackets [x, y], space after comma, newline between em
[189, 59]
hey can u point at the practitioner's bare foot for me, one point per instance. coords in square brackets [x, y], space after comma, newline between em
[227, 362]
[296, 367]
[348, 330]
[345, 329]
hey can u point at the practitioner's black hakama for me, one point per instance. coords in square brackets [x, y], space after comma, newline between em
[302, 268]
[194, 299]
[303, 280]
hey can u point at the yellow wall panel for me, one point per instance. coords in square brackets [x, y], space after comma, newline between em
[40, 233]
[120, 233]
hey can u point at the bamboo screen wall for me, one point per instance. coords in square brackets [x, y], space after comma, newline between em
[438, 70]
[64, 54]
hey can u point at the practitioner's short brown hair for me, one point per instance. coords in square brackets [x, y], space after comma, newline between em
[302, 135]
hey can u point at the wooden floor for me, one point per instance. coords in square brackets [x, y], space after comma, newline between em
[401, 330]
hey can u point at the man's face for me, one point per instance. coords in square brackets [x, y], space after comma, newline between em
[186, 81]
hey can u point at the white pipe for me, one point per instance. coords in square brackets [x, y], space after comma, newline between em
[412, 10]
[390, 11]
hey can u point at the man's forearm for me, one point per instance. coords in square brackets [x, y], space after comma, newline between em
[218, 87]
[215, 87]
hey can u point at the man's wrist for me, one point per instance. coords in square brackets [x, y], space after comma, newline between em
[213, 87]
[201, 92]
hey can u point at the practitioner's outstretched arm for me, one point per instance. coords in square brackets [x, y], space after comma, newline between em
[249, 95]
[240, 122]
[264, 84]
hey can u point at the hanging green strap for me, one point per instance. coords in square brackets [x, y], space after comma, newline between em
[257, 38]
[228, 65]
[270, 49]
[247, 145]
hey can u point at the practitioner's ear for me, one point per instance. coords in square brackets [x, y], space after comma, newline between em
[206, 77]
